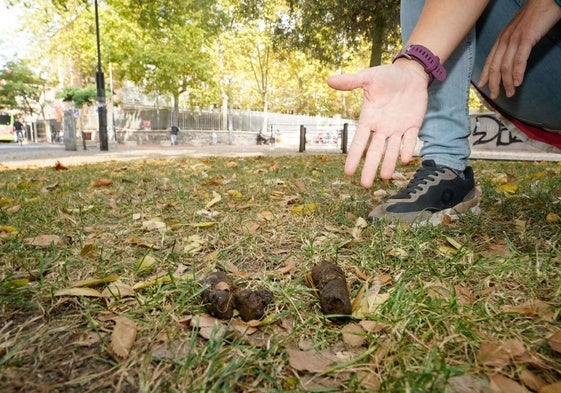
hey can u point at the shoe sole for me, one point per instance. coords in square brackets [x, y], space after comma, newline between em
[471, 205]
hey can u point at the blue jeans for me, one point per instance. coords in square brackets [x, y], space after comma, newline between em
[537, 101]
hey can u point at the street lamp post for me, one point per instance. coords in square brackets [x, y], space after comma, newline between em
[100, 84]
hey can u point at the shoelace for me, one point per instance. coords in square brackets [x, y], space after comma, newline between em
[422, 175]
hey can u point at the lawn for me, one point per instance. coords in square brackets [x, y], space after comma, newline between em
[103, 267]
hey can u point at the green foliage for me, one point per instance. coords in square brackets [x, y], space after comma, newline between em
[20, 88]
[247, 54]
[80, 96]
[328, 30]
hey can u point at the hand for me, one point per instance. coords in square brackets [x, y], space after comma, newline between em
[393, 108]
[508, 57]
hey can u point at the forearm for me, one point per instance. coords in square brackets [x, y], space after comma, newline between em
[444, 23]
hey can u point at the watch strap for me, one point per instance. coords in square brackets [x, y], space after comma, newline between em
[429, 61]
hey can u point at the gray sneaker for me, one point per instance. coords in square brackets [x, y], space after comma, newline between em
[433, 192]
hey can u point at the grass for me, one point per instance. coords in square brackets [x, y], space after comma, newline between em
[449, 291]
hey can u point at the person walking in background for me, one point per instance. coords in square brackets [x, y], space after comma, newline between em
[173, 135]
[511, 50]
[18, 130]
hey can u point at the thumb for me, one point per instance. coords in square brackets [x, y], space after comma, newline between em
[345, 81]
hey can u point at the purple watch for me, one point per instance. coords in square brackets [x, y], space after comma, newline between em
[426, 58]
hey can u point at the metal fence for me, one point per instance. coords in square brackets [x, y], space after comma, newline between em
[149, 118]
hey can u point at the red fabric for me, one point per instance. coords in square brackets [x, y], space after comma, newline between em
[536, 133]
[533, 132]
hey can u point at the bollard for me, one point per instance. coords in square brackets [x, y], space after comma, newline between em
[302, 139]
[69, 131]
[345, 138]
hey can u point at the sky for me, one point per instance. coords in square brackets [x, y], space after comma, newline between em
[13, 43]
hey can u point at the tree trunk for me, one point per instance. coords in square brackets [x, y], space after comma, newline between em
[175, 112]
[377, 37]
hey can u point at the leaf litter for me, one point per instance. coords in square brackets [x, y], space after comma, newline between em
[124, 289]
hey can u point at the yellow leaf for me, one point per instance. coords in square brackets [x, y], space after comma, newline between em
[78, 209]
[369, 301]
[19, 283]
[306, 208]
[194, 244]
[447, 250]
[92, 282]
[8, 229]
[156, 281]
[206, 224]
[507, 189]
[269, 319]
[234, 194]
[5, 201]
[216, 198]
[87, 292]
[552, 218]
[88, 250]
[154, 223]
[361, 223]
[145, 263]
[454, 243]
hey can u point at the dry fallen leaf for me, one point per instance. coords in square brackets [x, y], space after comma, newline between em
[367, 302]
[533, 307]
[49, 187]
[553, 388]
[208, 326]
[102, 182]
[216, 198]
[92, 282]
[154, 223]
[87, 339]
[311, 361]
[506, 385]
[145, 264]
[118, 290]
[87, 292]
[123, 337]
[500, 355]
[137, 242]
[353, 335]
[194, 244]
[531, 380]
[555, 341]
[59, 167]
[289, 266]
[43, 241]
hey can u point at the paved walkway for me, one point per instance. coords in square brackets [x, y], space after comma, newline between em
[37, 154]
[13, 156]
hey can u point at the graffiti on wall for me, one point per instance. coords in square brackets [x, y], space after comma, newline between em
[490, 130]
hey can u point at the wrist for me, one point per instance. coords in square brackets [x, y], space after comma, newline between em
[414, 67]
